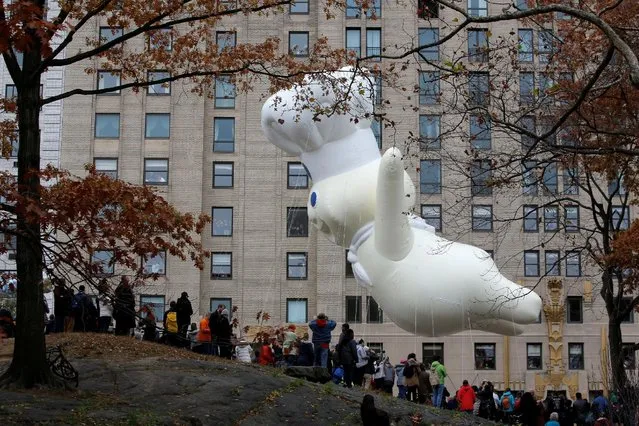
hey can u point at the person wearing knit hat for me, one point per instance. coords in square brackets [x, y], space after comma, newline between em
[322, 328]
[224, 334]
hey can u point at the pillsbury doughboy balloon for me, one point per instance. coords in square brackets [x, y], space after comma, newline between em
[360, 200]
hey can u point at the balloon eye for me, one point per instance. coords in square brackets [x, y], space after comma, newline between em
[313, 199]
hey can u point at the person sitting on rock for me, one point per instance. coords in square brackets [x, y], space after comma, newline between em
[372, 416]
[266, 354]
[243, 351]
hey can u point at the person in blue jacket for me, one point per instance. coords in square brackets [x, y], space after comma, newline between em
[322, 328]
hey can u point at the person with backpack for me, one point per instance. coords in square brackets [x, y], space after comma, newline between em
[171, 325]
[184, 311]
[487, 405]
[466, 397]
[438, 370]
[389, 376]
[581, 409]
[411, 378]
[84, 310]
[507, 405]
[401, 384]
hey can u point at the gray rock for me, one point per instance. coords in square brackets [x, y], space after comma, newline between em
[312, 374]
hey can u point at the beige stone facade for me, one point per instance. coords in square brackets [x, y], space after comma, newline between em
[260, 197]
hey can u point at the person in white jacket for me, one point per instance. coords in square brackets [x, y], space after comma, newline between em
[360, 365]
[243, 352]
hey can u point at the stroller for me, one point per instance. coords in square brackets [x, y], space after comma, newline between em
[6, 324]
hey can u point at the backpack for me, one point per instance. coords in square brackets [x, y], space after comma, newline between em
[171, 322]
[505, 403]
[434, 377]
[409, 371]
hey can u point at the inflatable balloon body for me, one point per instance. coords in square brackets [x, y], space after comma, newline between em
[360, 200]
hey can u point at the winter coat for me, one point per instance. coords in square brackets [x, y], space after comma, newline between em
[243, 353]
[348, 352]
[466, 397]
[306, 354]
[322, 331]
[362, 356]
[124, 308]
[414, 379]
[389, 373]
[204, 333]
[184, 310]
[379, 371]
[423, 379]
[399, 373]
[266, 356]
[581, 408]
[511, 398]
[440, 370]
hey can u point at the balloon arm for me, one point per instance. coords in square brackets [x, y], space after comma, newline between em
[393, 233]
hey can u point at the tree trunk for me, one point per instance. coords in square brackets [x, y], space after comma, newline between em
[619, 378]
[29, 366]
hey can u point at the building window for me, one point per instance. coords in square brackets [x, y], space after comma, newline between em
[429, 89]
[158, 126]
[106, 166]
[521, 4]
[629, 318]
[551, 179]
[296, 222]
[353, 309]
[576, 356]
[298, 43]
[224, 134]
[353, 10]
[375, 9]
[572, 218]
[432, 215]
[429, 36]
[531, 263]
[155, 265]
[529, 178]
[156, 171]
[480, 131]
[485, 356]
[526, 88]
[353, 41]
[477, 8]
[430, 351]
[545, 49]
[480, 177]
[103, 262]
[575, 309]
[222, 221]
[528, 123]
[107, 126]
[533, 356]
[552, 263]
[296, 266]
[221, 265]
[108, 80]
[479, 88]
[222, 174]
[573, 264]
[161, 39]
[156, 304]
[551, 219]
[427, 9]
[482, 219]
[620, 218]
[374, 314]
[429, 131]
[224, 302]
[376, 127]
[571, 181]
[225, 40]
[298, 7]
[478, 45]
[108, 34]
[616, 187]
[373, 42]
[430, 177]
[629, 356]
[297, 178]
[158, 88]
[15, 145]
[531, 219]
[525, 48]
[348, 266]
[224, 92]
[10, 91]
[297, 311]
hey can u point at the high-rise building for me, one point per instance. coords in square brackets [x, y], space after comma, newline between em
[208, 154]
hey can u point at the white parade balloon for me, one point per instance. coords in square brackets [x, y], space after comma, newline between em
[426, 284]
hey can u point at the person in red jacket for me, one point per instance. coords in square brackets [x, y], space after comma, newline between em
[266, 355]
[466, 397]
